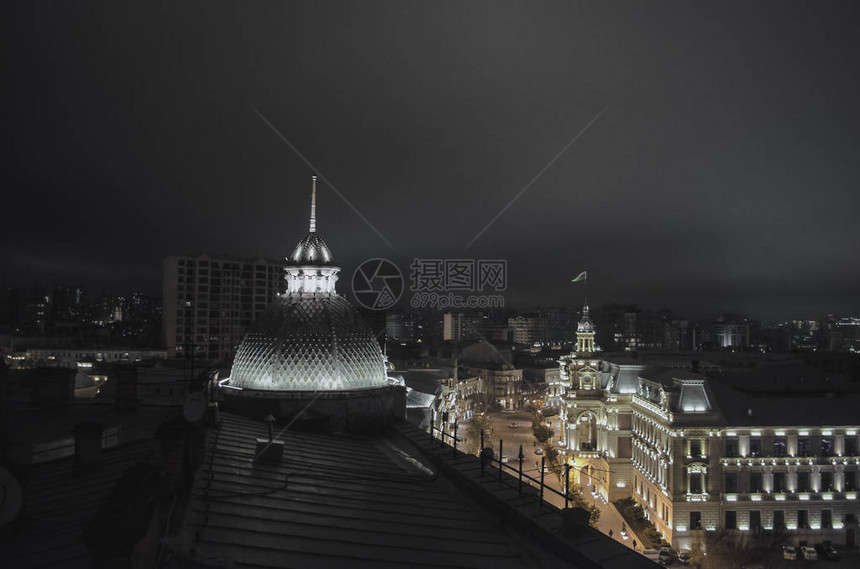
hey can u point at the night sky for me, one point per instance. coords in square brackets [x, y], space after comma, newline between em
[722, 176]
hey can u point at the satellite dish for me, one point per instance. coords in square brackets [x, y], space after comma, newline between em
[11, 497]
[195, 406]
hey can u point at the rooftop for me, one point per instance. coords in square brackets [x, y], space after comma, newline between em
[381, 501]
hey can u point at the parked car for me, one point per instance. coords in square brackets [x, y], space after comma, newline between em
[789, 552]
[539, 450]
[504, 458]
[826, 551]
[514, 425]
[684, 556]
[809, 553]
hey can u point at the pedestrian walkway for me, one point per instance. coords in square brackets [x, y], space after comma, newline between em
[610, 517]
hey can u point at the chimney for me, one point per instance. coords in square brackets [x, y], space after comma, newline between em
[52, 385]
[269, 449]
[126, 386]
[88, 445]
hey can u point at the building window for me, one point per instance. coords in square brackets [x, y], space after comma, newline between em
[779, 447]
[850, 480]
[850, 446]
[696, 448]
[755, 520]
[802, 482]
[802, 519]
[826, 482]
[802, 447]
[695, 520]
[779, 519]
[779, 481]
[731, 448]
[827, 446]
[731, 481]
[755, 447]
[696, 483]
[755, 482]
[826, 518]
[731, 519]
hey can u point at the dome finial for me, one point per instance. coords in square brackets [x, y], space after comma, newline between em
[314, 205]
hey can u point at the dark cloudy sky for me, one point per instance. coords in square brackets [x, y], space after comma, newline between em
[723, 176]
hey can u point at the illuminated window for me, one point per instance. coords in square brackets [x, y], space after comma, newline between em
[827, 446]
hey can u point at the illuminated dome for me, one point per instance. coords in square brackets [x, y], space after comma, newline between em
[309, 342]
[311, 338]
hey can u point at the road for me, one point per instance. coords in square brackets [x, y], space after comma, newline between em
[501, 427]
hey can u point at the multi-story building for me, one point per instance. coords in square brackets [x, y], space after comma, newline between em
[731, 332]
[528, 330]
[452, 326]
[738, 453]
[209, 303]
[495, 369]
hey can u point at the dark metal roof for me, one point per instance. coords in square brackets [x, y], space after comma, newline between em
[761, 409]
[348, 501]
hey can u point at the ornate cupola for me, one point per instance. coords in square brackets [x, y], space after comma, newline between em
[585, 332]
[311, 267]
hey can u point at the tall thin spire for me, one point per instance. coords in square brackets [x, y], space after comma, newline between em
[313, 228]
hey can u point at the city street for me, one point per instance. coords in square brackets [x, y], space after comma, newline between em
[500, 427]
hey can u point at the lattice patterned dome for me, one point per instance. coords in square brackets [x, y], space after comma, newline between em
[309, 342]
[310, 338]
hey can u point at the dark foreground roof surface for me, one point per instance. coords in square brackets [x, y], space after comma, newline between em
[358, 501]
[60, 500]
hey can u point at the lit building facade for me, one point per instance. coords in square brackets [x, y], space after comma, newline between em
[704, 455]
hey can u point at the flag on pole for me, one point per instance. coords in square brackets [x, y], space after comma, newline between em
[580, 277]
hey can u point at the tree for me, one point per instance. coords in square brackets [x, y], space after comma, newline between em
[542, 433]
[479, 423]
[575, 496]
